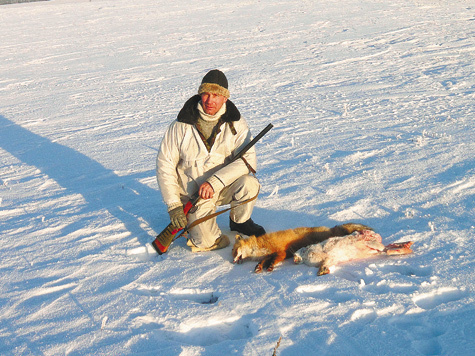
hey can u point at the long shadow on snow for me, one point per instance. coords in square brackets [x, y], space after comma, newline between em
[125, 198]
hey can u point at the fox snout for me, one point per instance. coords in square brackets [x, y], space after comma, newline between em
[237, 256]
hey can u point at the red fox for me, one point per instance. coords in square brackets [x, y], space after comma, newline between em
[276, 246]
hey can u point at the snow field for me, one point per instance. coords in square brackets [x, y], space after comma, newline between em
[372, 103]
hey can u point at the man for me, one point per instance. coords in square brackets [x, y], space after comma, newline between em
[192, 159]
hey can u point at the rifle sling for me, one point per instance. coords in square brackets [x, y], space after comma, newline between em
[253, 171]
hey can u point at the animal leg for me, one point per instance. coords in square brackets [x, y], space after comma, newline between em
[265, 262]
[277, 258]
[399, 248]
[258, 268]
[270, 261]
[324, 268]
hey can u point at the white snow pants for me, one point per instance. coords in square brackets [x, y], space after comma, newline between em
[206, 233]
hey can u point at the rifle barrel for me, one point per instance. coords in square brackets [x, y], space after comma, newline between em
[252, 143]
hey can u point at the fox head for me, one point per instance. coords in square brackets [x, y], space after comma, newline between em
[241, 249]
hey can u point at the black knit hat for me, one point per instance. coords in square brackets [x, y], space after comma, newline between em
[214, 82]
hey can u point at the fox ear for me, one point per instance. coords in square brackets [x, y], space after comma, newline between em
[238, 237]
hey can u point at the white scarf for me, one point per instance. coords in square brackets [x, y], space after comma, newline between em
[210, 118]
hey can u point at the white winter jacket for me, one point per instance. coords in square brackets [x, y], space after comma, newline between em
[184, 163]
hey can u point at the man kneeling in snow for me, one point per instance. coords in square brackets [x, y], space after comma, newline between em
[193, 154]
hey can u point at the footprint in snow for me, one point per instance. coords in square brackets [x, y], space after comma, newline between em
[194, 295]
[408, 270]
[423, 336]
[187, 294]
[213, 331]
[437, 297]
[332, 294]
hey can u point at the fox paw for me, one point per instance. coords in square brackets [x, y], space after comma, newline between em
[323, 270]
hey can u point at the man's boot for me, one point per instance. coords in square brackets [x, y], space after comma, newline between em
[248, 228]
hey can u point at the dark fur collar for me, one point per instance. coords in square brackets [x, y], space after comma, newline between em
[189, 114]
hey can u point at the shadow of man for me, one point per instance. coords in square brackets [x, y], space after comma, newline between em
[126, 199]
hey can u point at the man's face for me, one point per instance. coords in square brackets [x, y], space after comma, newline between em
[212, 102]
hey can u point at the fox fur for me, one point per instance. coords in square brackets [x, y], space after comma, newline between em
[275, 247]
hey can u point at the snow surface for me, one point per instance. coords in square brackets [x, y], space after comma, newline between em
[373, 107]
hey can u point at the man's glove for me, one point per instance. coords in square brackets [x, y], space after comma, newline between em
[178, 217]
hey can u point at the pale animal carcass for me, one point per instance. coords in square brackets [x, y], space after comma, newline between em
[358, 245]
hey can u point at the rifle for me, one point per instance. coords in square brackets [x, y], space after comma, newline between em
[164, 239]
